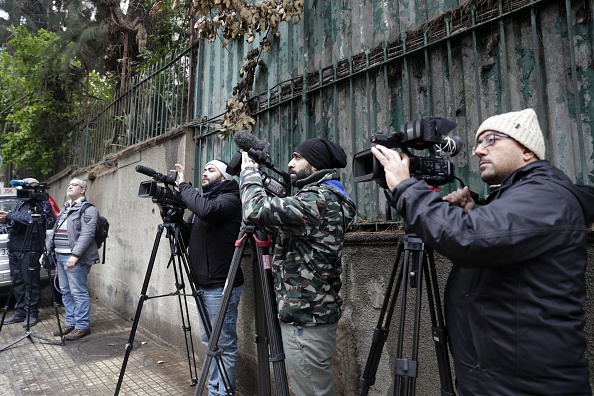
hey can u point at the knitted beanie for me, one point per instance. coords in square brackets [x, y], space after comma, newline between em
[322, 154]
[522, 126]
[222, 167]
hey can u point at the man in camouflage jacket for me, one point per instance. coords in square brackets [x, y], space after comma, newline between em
[307, 257]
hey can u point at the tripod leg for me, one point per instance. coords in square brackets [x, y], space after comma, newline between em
[185, 316]
[32, 295]
[404, 368]
[7, 306]
[141, 300]
[438, 327]
[212, 349]
[277, 356]
[183, 259]
[261, 338]
[380, 332]
[182, 266]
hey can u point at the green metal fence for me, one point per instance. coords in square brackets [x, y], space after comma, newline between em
[352, 69]
[154, 102]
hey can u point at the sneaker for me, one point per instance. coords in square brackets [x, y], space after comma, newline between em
[32, 321]
[65, 330]
[15, 318]
[77, 333]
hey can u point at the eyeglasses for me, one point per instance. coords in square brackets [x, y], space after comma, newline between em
[73, 185]
[488, 140]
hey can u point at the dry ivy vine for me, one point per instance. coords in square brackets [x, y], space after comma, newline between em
[236, 19]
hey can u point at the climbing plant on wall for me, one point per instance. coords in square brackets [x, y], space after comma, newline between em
[229, 20]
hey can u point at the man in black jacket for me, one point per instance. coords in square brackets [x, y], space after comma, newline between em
[514, 299]
[23, 254]
[215, 224]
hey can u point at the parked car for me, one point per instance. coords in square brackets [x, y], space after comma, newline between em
[8, 202]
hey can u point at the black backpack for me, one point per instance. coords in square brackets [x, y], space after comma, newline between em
[101, 230]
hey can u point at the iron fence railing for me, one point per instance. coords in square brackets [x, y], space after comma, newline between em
[154, 102]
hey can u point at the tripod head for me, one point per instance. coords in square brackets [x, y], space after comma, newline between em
[172, 213]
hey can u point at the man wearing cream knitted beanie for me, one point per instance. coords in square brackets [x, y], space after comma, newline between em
[514, 299]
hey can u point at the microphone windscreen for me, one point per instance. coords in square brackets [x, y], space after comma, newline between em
[246, 140]
[145, 170]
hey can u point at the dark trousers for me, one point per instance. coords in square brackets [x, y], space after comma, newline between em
[26, 282]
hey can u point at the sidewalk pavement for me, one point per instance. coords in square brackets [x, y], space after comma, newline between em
[90, 366]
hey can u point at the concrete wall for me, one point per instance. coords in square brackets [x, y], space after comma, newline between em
[368, 261]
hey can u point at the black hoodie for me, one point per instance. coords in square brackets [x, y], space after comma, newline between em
[215, 228]
[514, 299]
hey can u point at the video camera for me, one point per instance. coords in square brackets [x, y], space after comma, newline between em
[32, 192]
[258, 151]
[167, 195]
[420, 134]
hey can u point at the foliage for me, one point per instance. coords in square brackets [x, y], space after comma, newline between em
[39, 101]
[237, 19]
[63, 58]
[167, 25]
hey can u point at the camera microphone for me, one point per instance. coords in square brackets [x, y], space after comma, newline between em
[154, 174]
[18, 183]
[246, 140]
[450, 145]
[146, 170]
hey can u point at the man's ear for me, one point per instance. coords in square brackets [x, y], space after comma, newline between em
[528, 155]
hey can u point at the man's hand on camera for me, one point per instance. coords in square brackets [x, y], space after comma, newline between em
[247, 162]
[462, 198]
[181, 177]
[396, 165]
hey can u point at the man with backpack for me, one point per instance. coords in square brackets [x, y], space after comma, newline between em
[73, 245]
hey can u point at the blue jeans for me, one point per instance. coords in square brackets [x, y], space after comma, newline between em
[75, 292]
[309, 352]
[227, 340]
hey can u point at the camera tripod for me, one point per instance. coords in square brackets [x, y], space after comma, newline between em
[268, 337]
[417, 261]
[172, 217]
[35, 229]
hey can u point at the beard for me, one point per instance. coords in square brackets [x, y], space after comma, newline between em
[302, 174]
[209, 183]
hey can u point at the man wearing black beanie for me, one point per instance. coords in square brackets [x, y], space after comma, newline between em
[306, 262]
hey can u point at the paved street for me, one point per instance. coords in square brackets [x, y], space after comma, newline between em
[39, 364]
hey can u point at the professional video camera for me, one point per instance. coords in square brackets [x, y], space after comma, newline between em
[420, 134]
[167, 195]
[258, 151]
[31, 190]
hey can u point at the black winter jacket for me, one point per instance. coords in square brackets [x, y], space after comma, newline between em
[216, 223]
[19, 220]
[514, 298]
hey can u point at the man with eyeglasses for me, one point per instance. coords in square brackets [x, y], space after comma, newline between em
[514, 298]
[72, 243]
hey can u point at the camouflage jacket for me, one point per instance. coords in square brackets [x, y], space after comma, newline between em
[307, 257]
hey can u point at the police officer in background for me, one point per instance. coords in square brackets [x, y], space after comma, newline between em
[23, 254]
